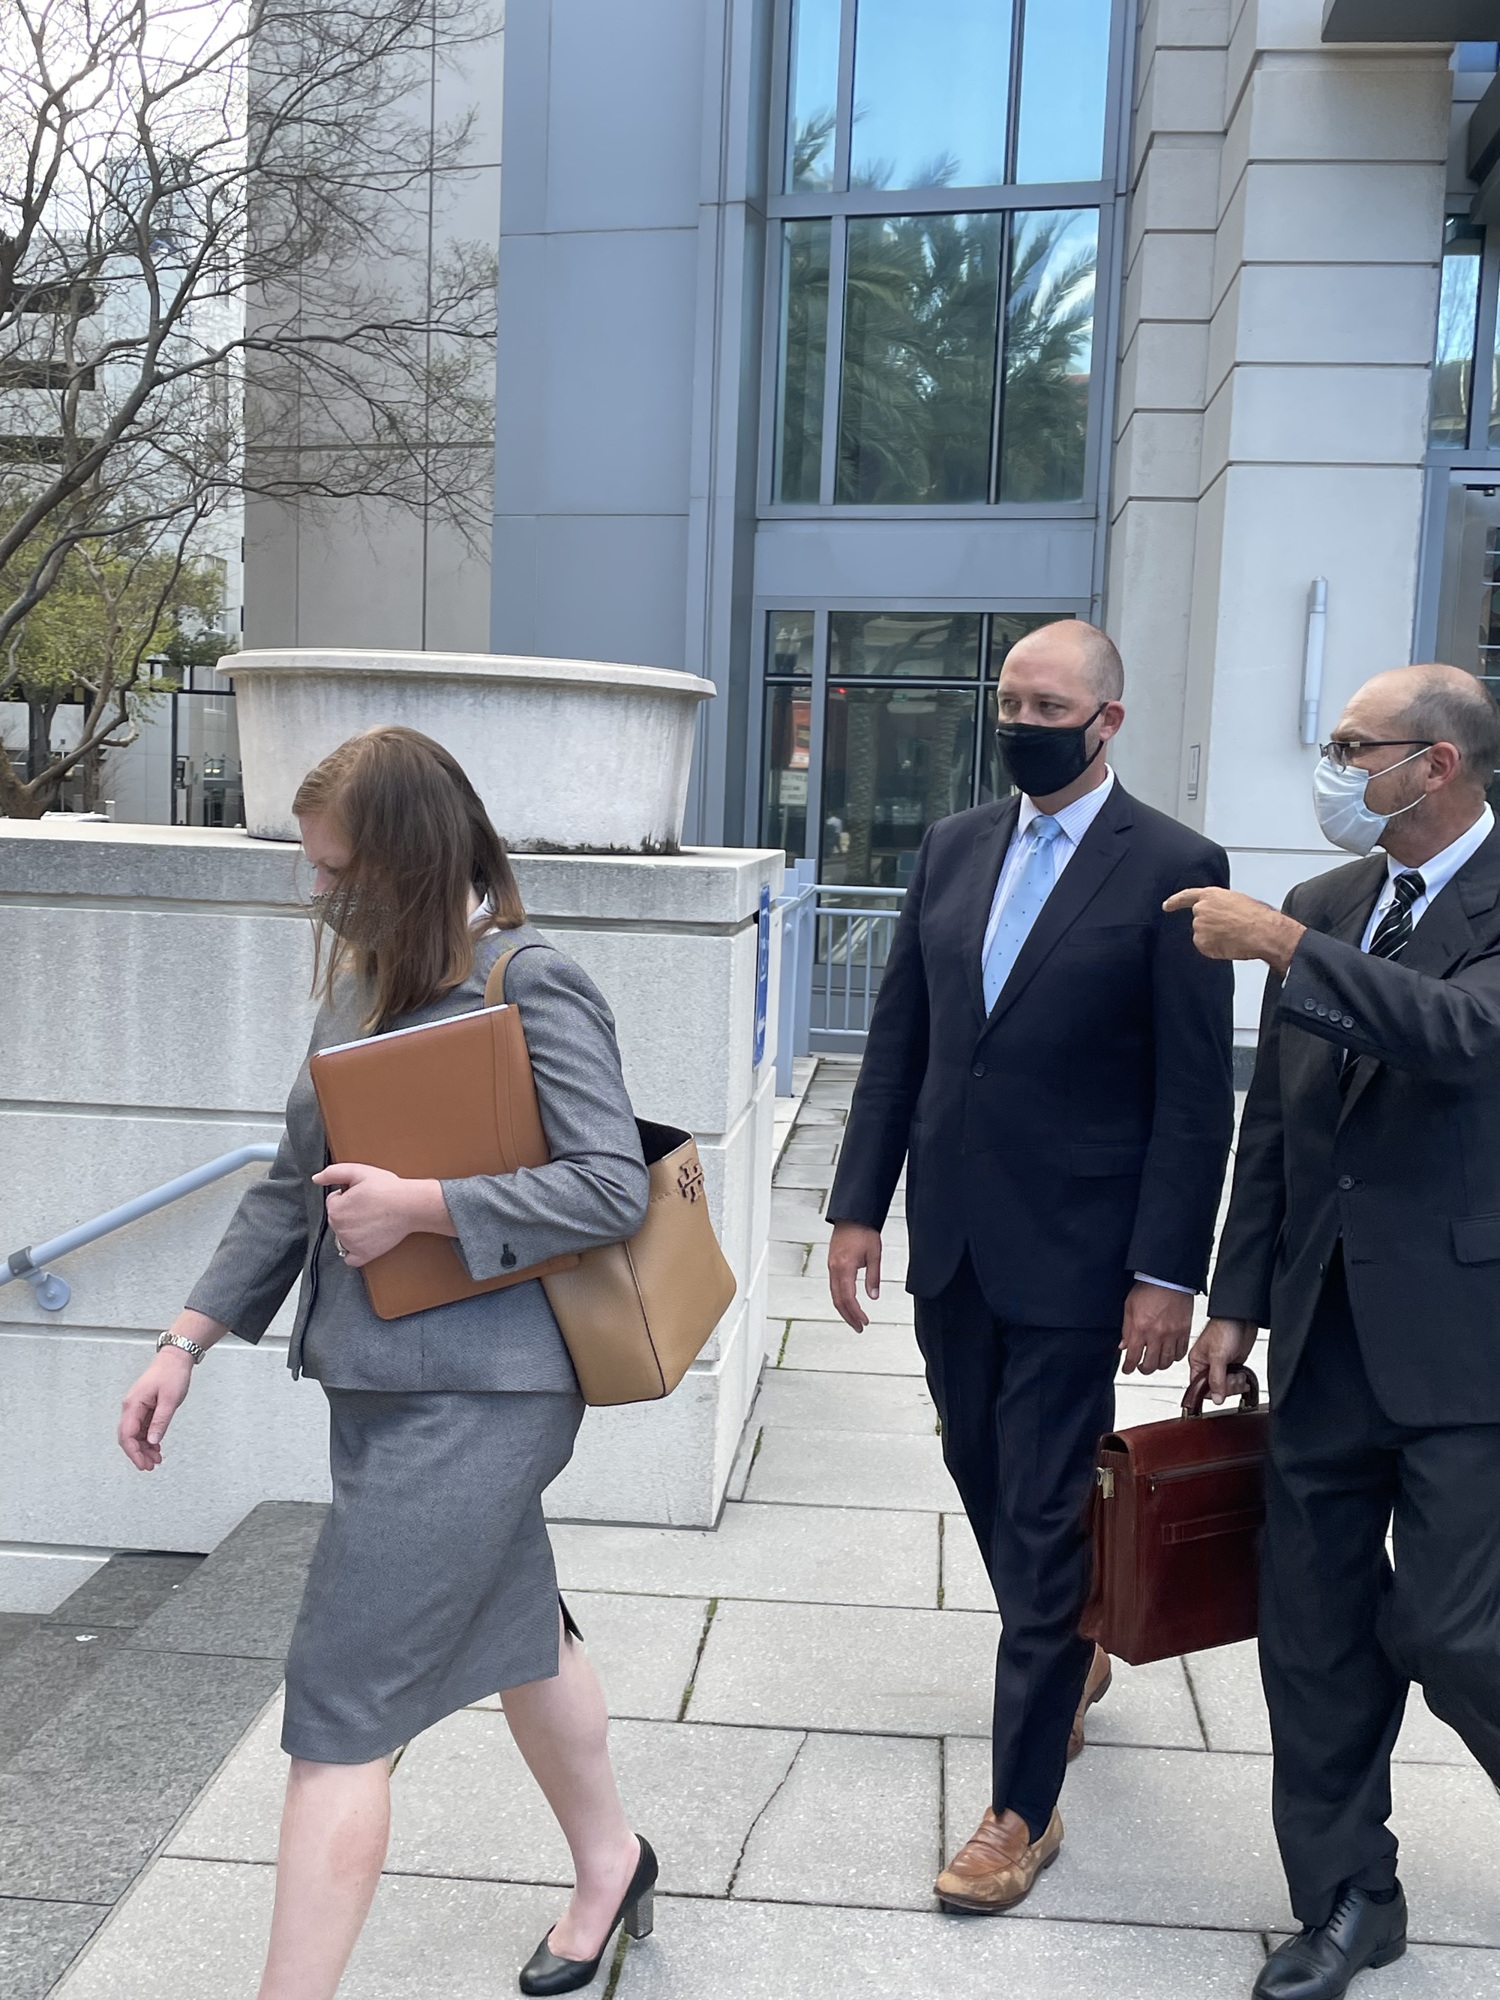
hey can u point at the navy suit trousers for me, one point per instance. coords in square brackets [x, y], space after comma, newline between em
[1022, 1410]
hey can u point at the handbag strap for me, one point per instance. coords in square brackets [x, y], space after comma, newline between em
[494, 986]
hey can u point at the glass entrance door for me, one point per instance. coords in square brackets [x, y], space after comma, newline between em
[1468, 633]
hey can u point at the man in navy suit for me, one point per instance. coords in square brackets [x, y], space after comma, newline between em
[1052, 1059]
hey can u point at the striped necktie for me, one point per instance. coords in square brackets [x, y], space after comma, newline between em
[1393, 932]
[1392, 936]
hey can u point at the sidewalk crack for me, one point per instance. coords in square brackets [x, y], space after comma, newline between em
[692, 1679]
[739, 1859]
[1192, 1687]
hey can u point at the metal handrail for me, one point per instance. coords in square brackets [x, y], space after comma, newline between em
[798, 909]
[53, 1292]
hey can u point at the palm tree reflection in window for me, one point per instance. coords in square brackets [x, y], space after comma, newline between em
[1049, 338]
[921, 328]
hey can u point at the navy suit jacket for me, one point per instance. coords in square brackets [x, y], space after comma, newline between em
[1079, 1133]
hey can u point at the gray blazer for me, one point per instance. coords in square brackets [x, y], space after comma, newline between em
[594, 1191]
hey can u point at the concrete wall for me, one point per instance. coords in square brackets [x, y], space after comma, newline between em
[372, 573]
[153, 1014]
[631, 240]
[1298, 286]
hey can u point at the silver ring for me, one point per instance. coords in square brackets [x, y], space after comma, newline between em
[341, 1250]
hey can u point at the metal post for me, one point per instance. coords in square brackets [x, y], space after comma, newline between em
[807, 945]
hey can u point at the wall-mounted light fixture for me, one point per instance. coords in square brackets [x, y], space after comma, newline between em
[1312, 657]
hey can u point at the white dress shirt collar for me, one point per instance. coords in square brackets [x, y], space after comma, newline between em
[1441, 869]
[1436, 874]
[1076, 819]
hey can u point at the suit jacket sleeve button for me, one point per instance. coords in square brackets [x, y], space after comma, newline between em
[1322, 1013]
[978, 1069]
[1309, 1005]
[1346, 1181]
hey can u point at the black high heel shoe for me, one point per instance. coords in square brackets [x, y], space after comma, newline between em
[545, 1972]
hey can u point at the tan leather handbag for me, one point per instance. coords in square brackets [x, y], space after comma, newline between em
[637, 1315]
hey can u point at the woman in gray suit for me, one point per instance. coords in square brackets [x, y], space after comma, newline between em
[432, 1584]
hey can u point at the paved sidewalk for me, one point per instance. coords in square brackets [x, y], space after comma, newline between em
[802, 1699]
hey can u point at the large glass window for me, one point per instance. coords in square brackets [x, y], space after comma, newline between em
[896, 759]
[931, 93]
[787, 763]
[1064, 75]
[932, 375]
[921, 301]
[804, 347]
[945, 93]
[1458, 321]
[920, 645]
[812, 93]
[960, 334]
[907, 732]
[1049, 338]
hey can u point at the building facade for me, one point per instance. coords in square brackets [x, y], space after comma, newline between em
[842, 341]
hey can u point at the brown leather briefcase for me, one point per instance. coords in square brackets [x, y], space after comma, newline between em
[1177, 1513]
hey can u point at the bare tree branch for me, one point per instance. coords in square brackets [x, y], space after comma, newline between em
[213, 214]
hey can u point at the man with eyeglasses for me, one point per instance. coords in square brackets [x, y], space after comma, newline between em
[1364, 1230]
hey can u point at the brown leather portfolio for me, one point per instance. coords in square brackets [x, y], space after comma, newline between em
[441, 1102]
[1177, 1513]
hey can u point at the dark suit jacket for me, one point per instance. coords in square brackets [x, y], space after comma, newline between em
[1079, 1133]
[1405, 1167]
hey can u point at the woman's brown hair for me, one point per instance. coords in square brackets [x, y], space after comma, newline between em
[421, 848]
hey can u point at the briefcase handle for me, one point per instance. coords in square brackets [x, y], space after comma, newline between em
[1197, 1393]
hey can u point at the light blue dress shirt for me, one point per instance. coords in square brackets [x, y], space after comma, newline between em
[1073, 823]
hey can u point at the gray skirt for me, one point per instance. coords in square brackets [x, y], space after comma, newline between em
[432, 1585]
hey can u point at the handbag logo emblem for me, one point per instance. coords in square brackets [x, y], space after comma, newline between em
[690, 1180]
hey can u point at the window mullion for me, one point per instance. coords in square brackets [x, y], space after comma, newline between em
[843, 138]
[1013, 95]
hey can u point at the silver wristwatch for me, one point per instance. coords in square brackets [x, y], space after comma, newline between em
[178, 1340]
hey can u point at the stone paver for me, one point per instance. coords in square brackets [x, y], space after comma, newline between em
[857, 1821]
[643, 1649]
[826, 1345]
[815, 1666]
[762, 1951]
[802, 1711]
[852, 1469]
[816, 1555]
[464, 1804]
[814, 1400]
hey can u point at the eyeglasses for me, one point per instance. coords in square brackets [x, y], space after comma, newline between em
[1340, 752]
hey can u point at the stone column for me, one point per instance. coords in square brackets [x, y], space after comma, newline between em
[153, 1013]
[1286, 231]
[1171, 219]
[1325, 301]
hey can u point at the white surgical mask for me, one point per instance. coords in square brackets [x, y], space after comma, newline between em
[1339, 802]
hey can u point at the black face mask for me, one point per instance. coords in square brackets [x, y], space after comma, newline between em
[1042, 760]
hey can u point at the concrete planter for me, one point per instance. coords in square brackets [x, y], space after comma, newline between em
[569, 756]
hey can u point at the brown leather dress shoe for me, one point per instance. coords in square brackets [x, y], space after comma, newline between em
[1095, 1688]
[999, 1866]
